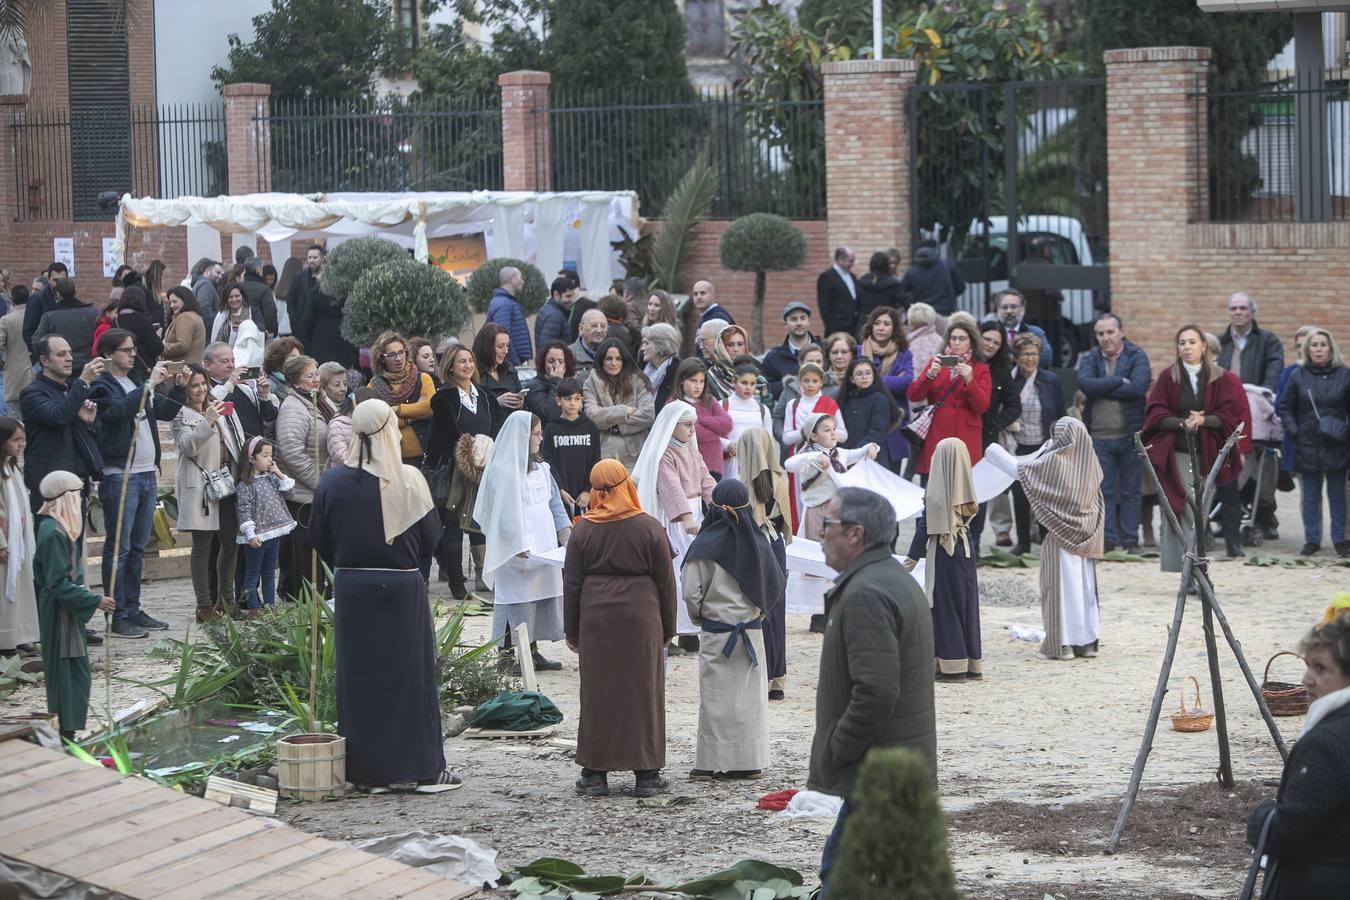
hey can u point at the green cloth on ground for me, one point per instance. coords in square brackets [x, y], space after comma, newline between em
[517, 711]
[57, 573]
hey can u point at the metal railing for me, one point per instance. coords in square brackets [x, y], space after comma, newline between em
[420, 145]
[64, 161]
[768, 156]
[1278, 154]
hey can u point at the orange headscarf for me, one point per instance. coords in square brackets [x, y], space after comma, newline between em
[613, 497]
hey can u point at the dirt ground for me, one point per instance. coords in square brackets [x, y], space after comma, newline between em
[1033, 761]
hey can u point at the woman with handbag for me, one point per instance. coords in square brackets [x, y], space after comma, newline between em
[957, 386]
[201, 481]
[461, 412]
[1315, 409]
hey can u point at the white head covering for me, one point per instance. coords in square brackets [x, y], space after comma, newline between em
[61, 491]
[500, 507]
[248, 346]
[649, 460]
[404, 497]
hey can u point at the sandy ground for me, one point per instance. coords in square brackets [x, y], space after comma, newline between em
[1034, 733]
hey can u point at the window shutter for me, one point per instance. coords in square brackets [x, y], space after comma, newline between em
[100, 105]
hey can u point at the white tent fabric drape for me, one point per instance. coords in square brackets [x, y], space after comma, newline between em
[518, 220]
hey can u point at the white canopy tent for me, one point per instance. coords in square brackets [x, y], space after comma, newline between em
[547, 229]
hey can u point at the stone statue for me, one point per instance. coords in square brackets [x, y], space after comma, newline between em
[16, 68]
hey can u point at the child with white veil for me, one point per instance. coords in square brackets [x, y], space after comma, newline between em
[521, 514]
[673, 483]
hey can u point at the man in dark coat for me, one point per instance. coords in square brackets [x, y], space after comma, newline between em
[316, 317]
[259, 295]
[1260, 353]
[704, 298]
[58, 417]
[505, 309]
[550, 323]
[206, 274]
[875, 687]
[781, 361]
[933, 280]
[837, 294]
[39, 303]
[71, 318]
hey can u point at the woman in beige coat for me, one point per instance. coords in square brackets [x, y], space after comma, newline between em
[185, 339]
[199, 452]
[619, 400]
[302, 454]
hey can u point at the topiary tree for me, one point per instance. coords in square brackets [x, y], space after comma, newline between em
[761, 243]
[484, 281]
[348, 261]
[895, 841]
[407, 296]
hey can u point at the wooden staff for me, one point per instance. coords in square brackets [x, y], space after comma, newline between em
[117, 552]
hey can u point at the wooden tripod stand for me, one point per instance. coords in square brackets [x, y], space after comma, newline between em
[1194, 569]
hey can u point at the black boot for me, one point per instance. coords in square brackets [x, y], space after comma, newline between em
[540, 663]
[818, 624]
[593, 784]
[1234, 547]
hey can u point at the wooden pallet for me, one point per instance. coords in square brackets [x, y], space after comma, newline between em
[77, 820]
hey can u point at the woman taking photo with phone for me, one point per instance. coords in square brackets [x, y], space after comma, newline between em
[957, 384]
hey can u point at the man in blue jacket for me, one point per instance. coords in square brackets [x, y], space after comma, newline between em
[550, 323]
[505, 310]
[1114, 377]
[118, 393]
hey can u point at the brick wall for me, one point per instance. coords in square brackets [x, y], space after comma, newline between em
[1167, 271]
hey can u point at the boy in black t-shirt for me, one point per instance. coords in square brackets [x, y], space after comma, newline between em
[572, 448]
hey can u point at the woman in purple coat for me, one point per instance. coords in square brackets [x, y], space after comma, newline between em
[882, 340]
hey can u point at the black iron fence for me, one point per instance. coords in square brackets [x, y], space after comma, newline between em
[768, 156]
[424, 145]
[63, 162]
[1278, 154]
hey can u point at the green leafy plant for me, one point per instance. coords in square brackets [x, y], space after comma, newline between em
[484, 281]
[761, 243]
[687, 205]
[347, 262]
[12, 675]
[1002, 559]
[468, 674]
[409, 296]
[895, 841]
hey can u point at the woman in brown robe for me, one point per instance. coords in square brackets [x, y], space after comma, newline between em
[618, 614]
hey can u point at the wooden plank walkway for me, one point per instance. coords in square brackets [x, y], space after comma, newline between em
[144, 841]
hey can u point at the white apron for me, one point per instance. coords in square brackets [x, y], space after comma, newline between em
[680, 541]
[528, 580]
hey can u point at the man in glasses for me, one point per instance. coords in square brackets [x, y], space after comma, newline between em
[126, 407]
[876, 663]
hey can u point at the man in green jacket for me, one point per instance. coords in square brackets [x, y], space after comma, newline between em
[876, 665]
[64, 604]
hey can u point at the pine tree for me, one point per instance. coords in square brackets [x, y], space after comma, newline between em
[895, 842]
[619, 46]
[1243, 43]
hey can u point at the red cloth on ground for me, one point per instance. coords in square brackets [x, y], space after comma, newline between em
[777, 801]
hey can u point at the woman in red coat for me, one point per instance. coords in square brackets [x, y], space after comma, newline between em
[960, 393]
[1193, 395]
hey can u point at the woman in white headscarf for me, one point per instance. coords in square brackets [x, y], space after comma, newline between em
[673, 483]
[521, 513]
[374, 525]
[942, 539]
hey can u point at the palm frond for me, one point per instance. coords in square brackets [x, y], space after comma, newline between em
[687, 204]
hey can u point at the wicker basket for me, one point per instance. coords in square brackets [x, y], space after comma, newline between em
[1196, 719]
[1283, 698]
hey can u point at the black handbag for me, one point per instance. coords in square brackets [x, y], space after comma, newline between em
[1331, 426]
[438, 482]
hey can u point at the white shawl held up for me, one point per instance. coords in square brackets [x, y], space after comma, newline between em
[19, 534]
[500, 507]
[375, 448]
[649, 460]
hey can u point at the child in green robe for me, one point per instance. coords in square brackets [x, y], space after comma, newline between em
[64, 604]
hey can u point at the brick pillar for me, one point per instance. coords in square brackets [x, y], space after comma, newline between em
[525, 147]
[12, 196]
[1156, 147]
[867, 175]
[248, 137]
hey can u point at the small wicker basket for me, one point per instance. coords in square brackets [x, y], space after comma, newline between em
[1283, 698]
[1197, 719]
